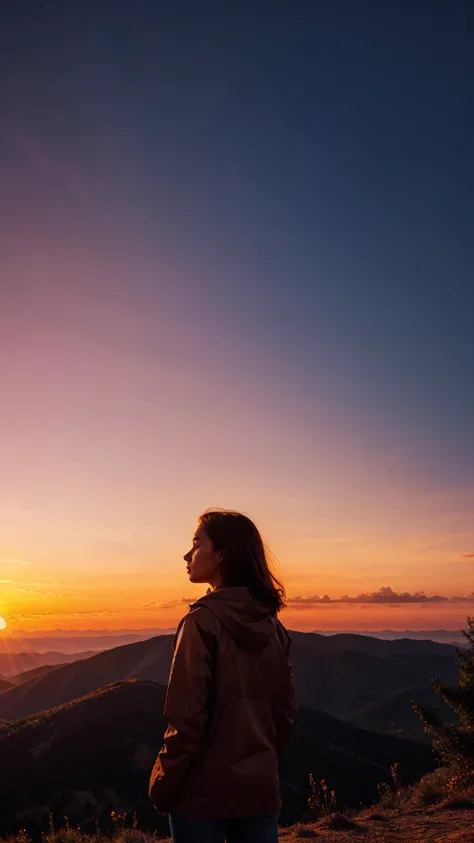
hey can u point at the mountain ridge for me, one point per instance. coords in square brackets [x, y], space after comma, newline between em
[94, 754]
[329, 676]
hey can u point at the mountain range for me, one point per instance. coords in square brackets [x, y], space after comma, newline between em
[366, 681]
[94, 754]
[73, 643]
[13, 662]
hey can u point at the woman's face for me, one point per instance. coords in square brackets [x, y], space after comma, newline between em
[202, 561]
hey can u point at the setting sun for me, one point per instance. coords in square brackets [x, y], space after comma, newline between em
[3, 623]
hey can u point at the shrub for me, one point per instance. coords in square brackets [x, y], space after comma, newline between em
[390, 793]
[454, 744]
[322, 801]
[432, 788]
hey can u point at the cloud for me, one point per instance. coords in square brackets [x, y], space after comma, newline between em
[465, 597]
[387, 595]
[384, 595]
[22, 616]
[169, 604]
[305, 601]
[468, 556]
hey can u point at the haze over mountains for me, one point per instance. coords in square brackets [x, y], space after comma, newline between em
[73, 641]
[13, 663]
[76, 642]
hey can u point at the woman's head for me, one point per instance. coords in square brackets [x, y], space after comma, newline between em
[228, 551]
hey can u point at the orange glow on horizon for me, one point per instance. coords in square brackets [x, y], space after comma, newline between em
[125, 610]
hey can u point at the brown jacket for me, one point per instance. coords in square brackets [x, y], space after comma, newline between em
[229, 707]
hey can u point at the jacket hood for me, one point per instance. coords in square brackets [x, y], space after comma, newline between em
[250, 623]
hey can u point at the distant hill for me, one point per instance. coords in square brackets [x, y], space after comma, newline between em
[5, 684]
[34, 673]
[149, 660]
[92, 641]
[374, 646]
[342, 675]
[93, 755]
[12, 663]
[353, 761]
[443, 636]
[394, 713]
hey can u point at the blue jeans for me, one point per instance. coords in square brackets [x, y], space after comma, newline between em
[246, 830]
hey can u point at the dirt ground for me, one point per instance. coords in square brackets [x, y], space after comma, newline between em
[429, 826]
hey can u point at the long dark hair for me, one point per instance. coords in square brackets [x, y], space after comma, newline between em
[245, 562]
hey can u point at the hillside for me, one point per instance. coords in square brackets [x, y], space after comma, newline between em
[353, 761]
[343, 682]
[394, 713]
[5, 684]
[12, 663]
[82, 759]
[373, 646]
[34, 673]
[148, 660]
[93, 755]
[334, 678]
[443, 636]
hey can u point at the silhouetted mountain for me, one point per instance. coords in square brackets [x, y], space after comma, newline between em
[373, 646]
[394, 713]
[5, 684]
[144, 660]
[353, 761]
[341, 675]
[34, 673]
[443, 636]
[82, 759]
[12, 663]
[93, 755]
[352, 672]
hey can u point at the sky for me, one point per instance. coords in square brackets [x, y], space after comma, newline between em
[236, 250]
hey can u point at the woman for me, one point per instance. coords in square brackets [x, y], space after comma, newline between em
[230, 701]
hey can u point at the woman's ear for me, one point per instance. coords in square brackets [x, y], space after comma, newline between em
[220, 556]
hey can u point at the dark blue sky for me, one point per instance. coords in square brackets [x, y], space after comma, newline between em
[302, 169]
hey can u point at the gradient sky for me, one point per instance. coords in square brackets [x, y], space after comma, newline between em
[236, 251]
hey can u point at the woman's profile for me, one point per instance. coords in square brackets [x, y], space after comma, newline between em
[230, 701]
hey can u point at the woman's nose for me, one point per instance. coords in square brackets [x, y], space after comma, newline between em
[187, 556]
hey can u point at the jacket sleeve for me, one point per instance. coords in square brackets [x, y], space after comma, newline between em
[186, 707]
[285, 707]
